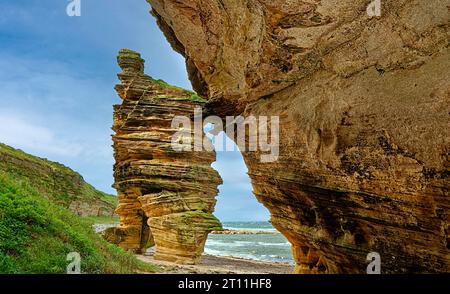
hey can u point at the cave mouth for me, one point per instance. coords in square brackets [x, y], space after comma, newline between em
[240, 212]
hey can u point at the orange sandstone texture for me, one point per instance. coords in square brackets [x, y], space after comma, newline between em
[364, 119]
[166, 197]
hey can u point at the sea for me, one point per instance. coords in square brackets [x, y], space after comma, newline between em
[272, 247]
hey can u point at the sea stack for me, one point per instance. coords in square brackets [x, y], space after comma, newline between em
[165, 197]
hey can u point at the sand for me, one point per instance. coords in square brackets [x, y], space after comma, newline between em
[210, 264]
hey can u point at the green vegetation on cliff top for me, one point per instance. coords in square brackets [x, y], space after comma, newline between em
[194, 97]
[128, 53]
[37, 233]
[53, 180]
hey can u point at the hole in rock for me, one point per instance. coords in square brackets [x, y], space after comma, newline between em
[251, 234]
[360, 240]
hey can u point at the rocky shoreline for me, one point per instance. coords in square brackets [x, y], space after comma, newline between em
[210, 264]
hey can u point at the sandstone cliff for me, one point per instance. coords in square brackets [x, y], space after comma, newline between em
[165, 197]
[363, 105]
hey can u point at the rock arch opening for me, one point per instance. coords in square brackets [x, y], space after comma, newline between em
[167, 196]
[247, 230]
[235, 201]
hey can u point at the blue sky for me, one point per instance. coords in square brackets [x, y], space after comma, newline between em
[57, 77]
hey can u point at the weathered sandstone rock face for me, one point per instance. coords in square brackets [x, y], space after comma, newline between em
[364, 112]
[166, 197]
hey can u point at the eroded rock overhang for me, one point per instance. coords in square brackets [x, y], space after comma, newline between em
[363, 104]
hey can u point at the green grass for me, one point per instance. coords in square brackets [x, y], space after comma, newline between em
[53, 180]
[127, 53]
[194, 97]
[36, 235]
[197, 98]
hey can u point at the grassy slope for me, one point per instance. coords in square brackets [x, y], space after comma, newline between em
[36, 234]
[55, 181]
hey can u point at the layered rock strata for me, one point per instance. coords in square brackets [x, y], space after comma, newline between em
[166, 197]
[363, 103]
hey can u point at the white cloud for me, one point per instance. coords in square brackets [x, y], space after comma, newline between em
[20, 133]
